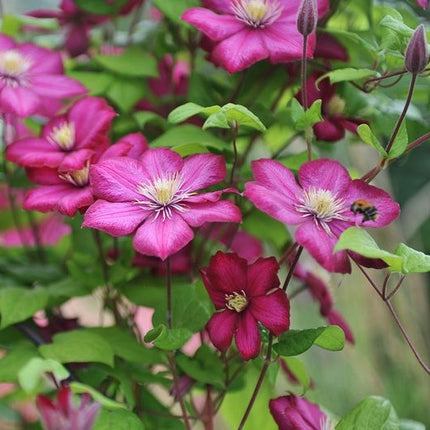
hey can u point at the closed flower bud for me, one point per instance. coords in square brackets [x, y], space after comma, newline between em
[416, 56]
[307, 17]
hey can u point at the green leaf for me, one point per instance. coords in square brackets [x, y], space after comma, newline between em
[242, 116]
[96, 82]
[295, 342]
[397, 25]
[126, 92]
[367, 136]
[106, 402]
[134, 62]
[400, 142]
[100, 7]
[298, 369]
[173, 10]
[205, 366]
[145, 117]
[118, 420]
[187, 134]
[347, 74]
[413, 261]
[373, 413]
[217, 120]
[15, 360]
[166, 339]
[358, 240]
[125, 345]
[187, 110]
[411, 425]
[310, 117]
[78, 346]
[30, 376]
[17, 304]
[10, 25]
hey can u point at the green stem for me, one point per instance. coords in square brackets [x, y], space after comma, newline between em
[233, 168]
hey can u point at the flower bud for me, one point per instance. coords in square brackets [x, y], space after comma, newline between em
[307, 17]
[416, 56]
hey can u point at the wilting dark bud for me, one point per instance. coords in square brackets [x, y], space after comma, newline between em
[416, 56]
[307, 17]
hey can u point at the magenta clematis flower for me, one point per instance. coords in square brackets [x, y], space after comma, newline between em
[156, 197]
[423, 3]
[67, 140]
[326, 203]
[50, 231]
[244, 295]
[247, 31]
[296, 413]
[334, 124]
[64, 415]
[29, 74]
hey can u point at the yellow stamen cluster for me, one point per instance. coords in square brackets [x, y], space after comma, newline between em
[236, 301]
[63, 136]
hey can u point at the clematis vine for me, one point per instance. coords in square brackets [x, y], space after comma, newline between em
[334, 124]
[156, 197]
[63, 414]
[296, 413]
[67, 140]
[324, 203]
[29, 74]
[244, 32]
[244, 295]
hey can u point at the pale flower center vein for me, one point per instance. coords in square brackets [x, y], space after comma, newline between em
[322, 206]
[164, 195]
[236, 301]
[78, 178]
[256, 13]
[13, 67]
[63, 136]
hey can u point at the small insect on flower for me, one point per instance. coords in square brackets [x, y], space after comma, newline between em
[369, 212]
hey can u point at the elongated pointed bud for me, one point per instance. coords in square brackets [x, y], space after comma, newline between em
[416, 56]
[307, 17]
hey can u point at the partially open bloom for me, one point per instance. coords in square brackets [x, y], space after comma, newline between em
[296, 413]
[62, 414]
[244, 295]
[247, 31]
[334, 124]
[29, 74]
[324, 204]
[67, 140]
[156, 197]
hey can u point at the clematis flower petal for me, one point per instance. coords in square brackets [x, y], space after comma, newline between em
[273, 311]
[221, 211]
[156, 163]
[127, 216]
[221, 328]
[247, 336]
[57, 86]
[20, 101]
[162, 238]
[44, 61]
[329, 130]
[262, 276]
[320, 245]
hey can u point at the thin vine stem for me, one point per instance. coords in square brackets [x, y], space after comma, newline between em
[292, 267]
[235, 155]
[308, 132]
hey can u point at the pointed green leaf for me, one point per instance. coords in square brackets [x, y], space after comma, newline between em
[242, 116]
[347, 74]
[413, 261]
[217, 120]
[400, 142]
[358, 240]
[373, 413]
[16, 359]
[17, 304]
[368, 137]
[166, 339]
[187, 110]
[79, 388]
[78, 346]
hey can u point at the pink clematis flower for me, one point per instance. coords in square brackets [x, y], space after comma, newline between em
[247, 31]
[67, 140]
[423, 3]
[296, 413]
[28, 75]
[50, 231]
[322, 205]
[63, 414]
[334, 124]
[156, 197]
[244, 295]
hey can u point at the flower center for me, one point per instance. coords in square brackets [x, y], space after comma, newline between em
[335, 106]
[63, 136]
[12, 66]
[164, 194]
[236, 301]
[322, 206]
[256, 13]
[78, 178]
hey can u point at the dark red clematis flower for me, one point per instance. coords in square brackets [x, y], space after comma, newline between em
[332, 127]
[244, 295]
